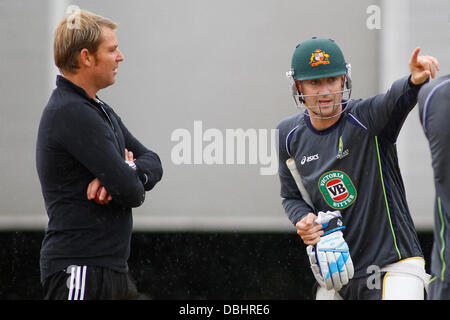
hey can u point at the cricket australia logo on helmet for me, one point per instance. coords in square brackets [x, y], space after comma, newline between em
[337, 189]
[319, 57]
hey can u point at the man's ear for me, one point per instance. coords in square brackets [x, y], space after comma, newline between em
[85, 57]
[299, 86]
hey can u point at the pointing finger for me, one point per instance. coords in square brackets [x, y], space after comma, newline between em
[415, 56]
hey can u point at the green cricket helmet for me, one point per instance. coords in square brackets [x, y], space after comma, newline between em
[314, 59]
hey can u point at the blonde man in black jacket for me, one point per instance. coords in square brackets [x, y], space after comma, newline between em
[91, 168]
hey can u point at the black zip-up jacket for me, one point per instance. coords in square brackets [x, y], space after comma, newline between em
[80, 139]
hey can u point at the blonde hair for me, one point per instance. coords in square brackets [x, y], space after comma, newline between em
[78, 30]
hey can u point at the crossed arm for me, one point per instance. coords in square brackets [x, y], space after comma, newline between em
[82, 132]
[97, 192]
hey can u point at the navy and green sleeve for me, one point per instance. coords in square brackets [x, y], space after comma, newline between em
[434, 114]
[294, 205]
[384, 114]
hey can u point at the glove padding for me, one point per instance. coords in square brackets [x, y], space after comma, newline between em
[330, 258]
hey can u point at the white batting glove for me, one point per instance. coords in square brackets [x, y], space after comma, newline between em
[330, 258]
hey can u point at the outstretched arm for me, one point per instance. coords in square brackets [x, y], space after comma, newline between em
[384, 114]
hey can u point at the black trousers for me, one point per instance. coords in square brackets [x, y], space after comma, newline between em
[89, 283]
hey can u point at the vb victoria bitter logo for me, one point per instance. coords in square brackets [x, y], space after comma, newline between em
[337, 189]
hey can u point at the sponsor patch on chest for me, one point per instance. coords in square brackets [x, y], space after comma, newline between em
[337, 189]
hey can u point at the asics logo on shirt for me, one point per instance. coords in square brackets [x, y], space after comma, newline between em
[306, 159]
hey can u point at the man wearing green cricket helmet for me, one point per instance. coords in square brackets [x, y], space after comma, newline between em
[341, 185]
[318, 60]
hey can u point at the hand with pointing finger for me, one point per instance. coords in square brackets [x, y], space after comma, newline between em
[422, 67]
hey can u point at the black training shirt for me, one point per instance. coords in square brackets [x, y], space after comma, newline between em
[353, 167]
[80, 139]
